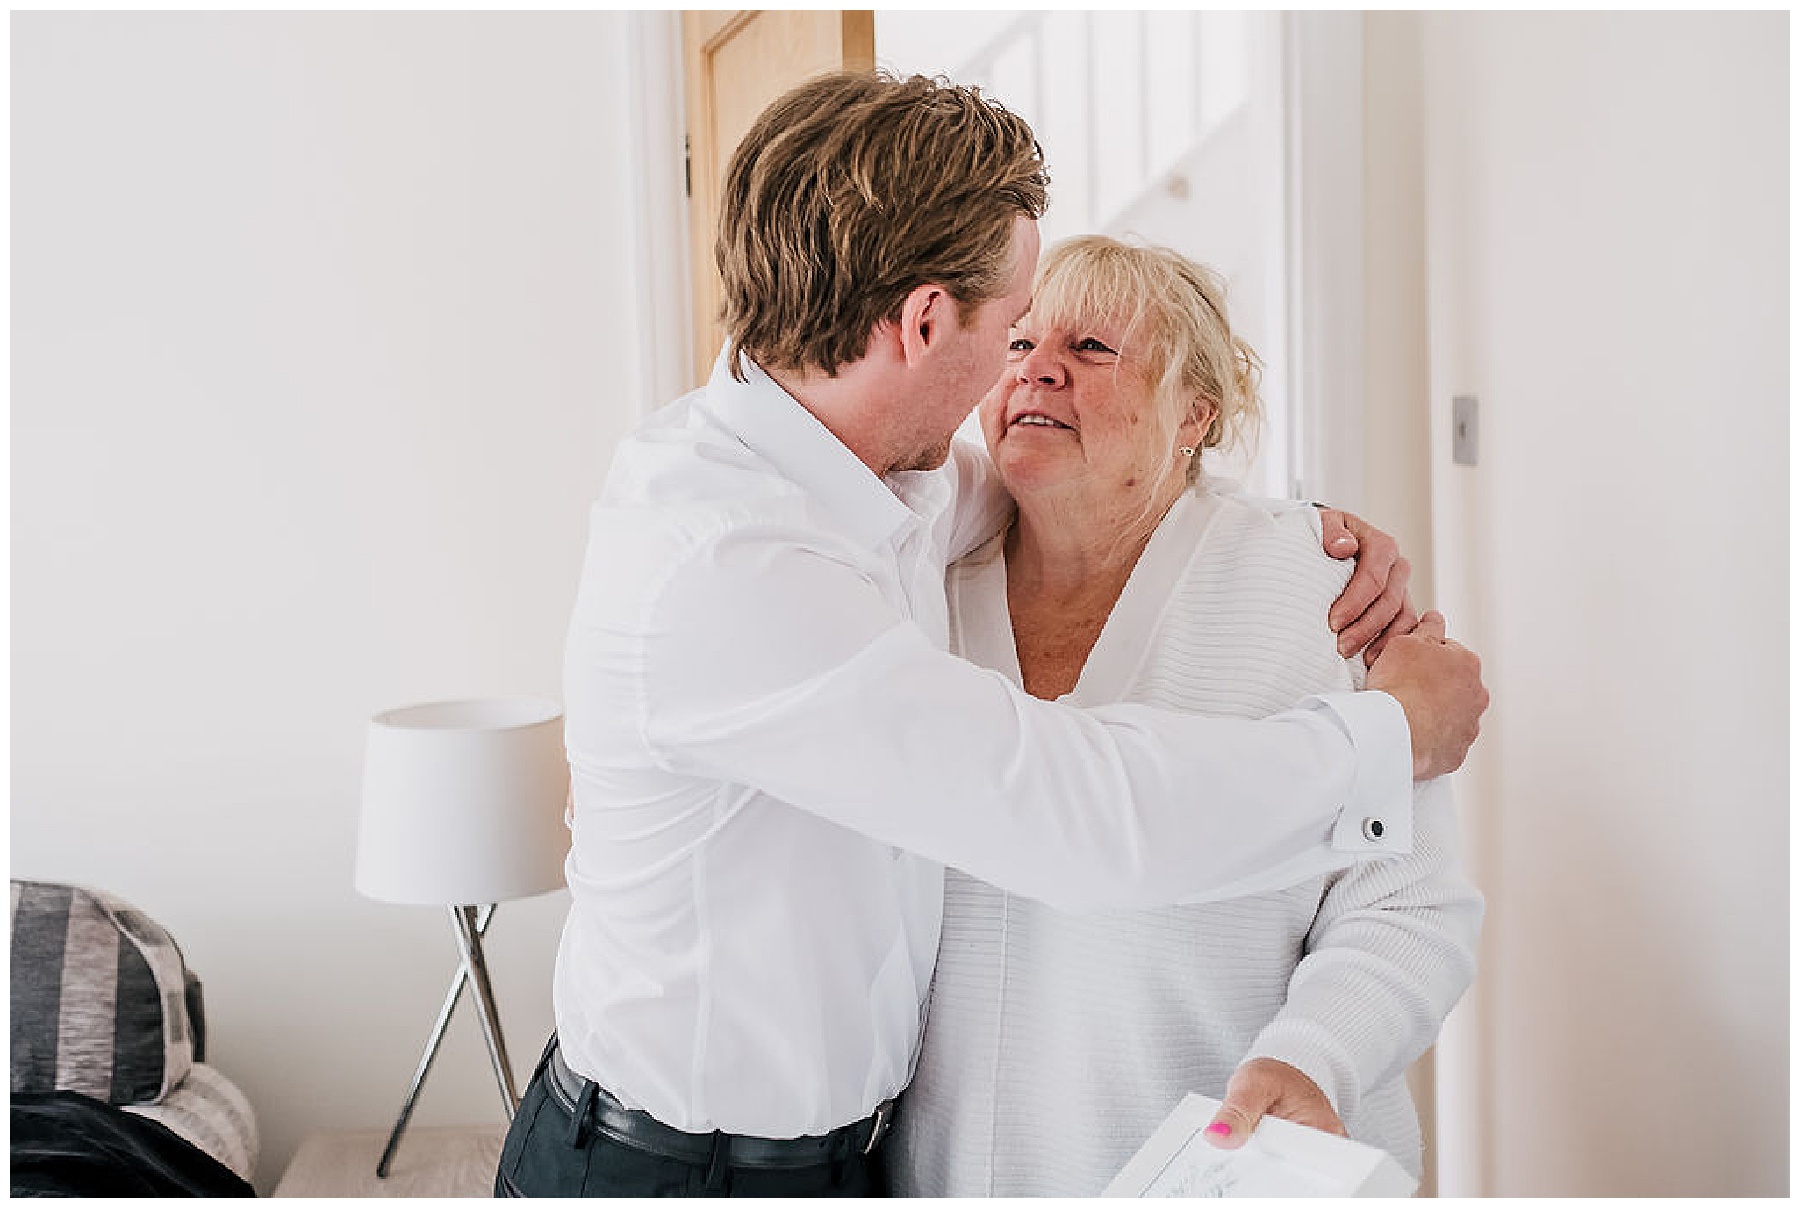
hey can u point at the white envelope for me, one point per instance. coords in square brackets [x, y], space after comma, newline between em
[1280, 1159]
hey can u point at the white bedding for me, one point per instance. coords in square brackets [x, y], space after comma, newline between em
[208, 1111]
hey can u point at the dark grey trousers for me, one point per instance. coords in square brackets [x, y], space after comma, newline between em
[549, 1153]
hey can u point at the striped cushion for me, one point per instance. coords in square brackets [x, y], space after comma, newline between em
[99, 997]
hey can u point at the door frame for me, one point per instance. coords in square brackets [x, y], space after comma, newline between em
[1323, 66]
[657, 167]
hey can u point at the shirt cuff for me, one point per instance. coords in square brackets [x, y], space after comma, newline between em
[1377, 819]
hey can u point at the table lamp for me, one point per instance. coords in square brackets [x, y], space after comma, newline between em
[462, 806]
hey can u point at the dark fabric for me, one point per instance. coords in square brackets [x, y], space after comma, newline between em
[147, 935]
[40, 930]
[549, 1153]
[65, 1144]
[196, 1013]
[137, 1048]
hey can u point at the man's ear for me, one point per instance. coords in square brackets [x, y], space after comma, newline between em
[923, 319]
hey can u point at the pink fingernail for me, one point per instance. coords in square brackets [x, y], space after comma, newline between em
[1219, 1128]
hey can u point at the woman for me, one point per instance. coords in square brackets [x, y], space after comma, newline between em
[1057, 1042]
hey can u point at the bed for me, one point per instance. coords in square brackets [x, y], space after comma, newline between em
[111, 1093]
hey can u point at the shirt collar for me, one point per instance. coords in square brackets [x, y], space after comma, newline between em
[775, 426]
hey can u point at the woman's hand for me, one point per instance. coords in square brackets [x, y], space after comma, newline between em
[1374, 606]
[1266, 1087]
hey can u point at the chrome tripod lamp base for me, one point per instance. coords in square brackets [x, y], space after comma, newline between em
[470, 924]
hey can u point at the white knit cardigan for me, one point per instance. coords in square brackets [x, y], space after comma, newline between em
[1057, 1042]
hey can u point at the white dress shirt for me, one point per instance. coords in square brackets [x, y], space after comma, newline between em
[773, 757]
[1059, 1041]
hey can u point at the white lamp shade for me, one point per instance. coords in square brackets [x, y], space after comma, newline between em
[463, 803]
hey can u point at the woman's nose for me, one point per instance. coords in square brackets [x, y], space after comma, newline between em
[1041, 367]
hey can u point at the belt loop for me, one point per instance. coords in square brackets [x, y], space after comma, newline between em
[544, 1061]
[718, 1171]
[584, 1105]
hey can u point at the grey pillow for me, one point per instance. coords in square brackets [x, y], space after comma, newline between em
[99, 997]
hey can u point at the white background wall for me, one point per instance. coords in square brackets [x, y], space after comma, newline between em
[1604, 261]
[321, 338]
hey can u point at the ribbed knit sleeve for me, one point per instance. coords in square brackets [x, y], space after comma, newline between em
[1392, 950]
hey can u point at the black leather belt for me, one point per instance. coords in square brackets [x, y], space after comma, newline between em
[643, 1131]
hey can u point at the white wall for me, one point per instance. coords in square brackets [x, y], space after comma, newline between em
[1606, 211]
[320, 342]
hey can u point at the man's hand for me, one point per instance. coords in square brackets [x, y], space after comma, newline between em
[1266, 1087]
[1374, 607]
[1438, 683]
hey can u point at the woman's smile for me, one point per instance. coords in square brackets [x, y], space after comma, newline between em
[1037, 419]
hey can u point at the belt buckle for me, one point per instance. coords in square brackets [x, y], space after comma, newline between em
[884, 1116]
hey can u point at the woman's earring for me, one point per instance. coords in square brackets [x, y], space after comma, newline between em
[1186, 450]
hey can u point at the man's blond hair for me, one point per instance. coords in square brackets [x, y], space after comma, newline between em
[853, 190]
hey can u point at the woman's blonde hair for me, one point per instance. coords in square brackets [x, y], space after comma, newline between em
[1174, 312]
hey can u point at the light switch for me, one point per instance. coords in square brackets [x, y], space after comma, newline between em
[1464, 428]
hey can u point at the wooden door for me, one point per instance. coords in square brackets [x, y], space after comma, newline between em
[736, 63]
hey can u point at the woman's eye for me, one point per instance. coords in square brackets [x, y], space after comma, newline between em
[1019, 344]
[1090, 344]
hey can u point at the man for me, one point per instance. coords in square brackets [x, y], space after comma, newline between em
[773, 756]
